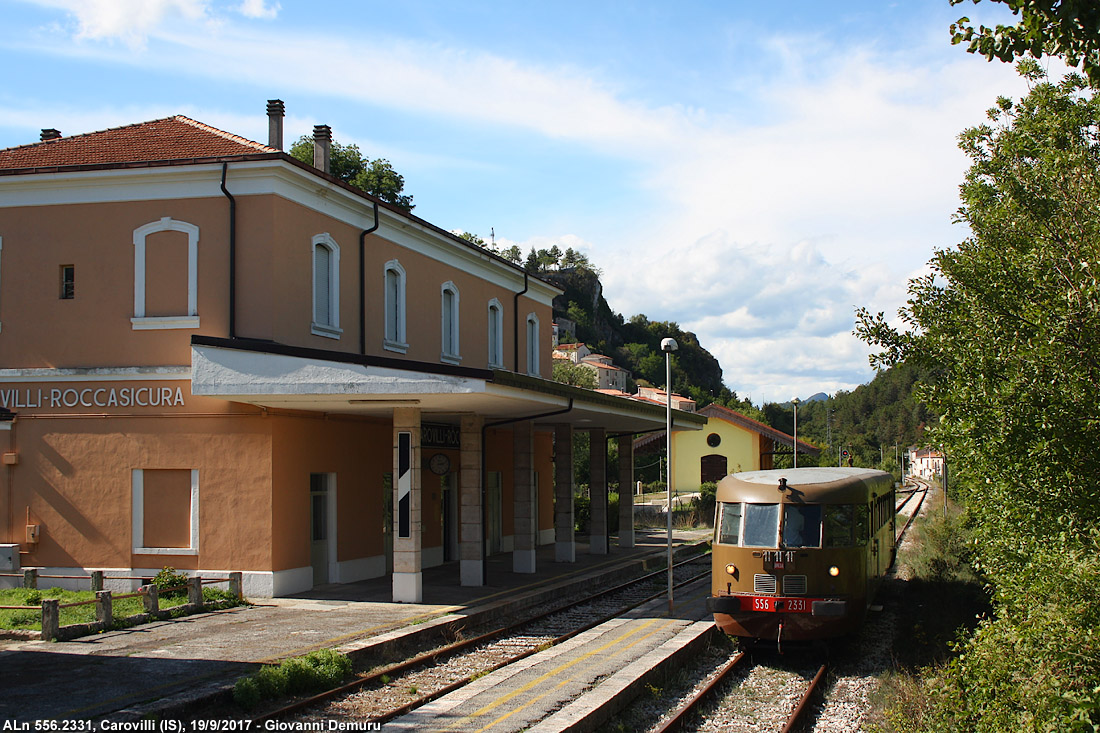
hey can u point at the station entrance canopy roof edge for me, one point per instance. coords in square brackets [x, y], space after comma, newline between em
[278, 376]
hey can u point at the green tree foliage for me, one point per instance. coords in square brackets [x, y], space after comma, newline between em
[540, 262]
[1066, 28]
[474, 239]
[567, 372]
[1008, 325]
[869, 421]
[692, 365]
[377, 177]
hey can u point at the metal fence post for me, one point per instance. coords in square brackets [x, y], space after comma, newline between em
[51, 619]
[194, 591]
[104, 608]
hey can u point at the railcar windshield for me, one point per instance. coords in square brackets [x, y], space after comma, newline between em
[761, 525]
[729, 524]
[802, 525]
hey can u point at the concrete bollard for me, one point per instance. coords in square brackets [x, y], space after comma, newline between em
[97, 580]
[150, 598]
[51, 619]
[194, 591]
[236, 585]
[30, 578]
[104, 608]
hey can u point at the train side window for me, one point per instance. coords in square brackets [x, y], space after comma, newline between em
[729, 529]
[802, 525]
[761, 525]
[863, 518]
[838, 525]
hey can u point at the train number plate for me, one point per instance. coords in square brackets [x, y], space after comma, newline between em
[768, 604]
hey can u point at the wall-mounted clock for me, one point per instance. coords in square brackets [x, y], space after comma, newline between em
[439, 464]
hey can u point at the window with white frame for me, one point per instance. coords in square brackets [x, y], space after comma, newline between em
[394, 289]
[448, 296]
[190, 319]
[532, 344]
[496, 334]
[165, 511]
[326, 287]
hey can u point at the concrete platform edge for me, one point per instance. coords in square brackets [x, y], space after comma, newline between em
[614, 694]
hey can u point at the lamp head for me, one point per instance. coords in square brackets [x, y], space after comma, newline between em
[669, 345]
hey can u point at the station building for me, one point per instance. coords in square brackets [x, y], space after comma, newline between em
[217, 358]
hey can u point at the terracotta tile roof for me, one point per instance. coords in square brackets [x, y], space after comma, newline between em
[172, 138]
[733, 416]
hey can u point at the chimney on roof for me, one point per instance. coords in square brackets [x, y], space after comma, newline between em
[275, 113]
[48, 133]
[322, 147]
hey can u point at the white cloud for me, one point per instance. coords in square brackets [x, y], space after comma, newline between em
[129, 21]
[259, 9]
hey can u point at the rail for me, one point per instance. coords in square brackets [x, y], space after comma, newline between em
[678, 719]
[803, 705]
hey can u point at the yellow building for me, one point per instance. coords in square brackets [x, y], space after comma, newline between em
[729, 442]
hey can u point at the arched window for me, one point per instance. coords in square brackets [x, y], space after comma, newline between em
[712, 468]
[394, 289]
[532, 344]
[449, 312]
[190, 319]
[496, 334]
[326, 287]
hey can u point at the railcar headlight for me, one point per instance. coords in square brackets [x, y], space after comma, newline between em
[731, 569]
[834, 571]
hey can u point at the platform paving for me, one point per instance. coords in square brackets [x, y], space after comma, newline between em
[572, 685]
[168, 668]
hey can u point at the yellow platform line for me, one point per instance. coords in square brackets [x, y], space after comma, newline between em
[554, 672]
[535, 699]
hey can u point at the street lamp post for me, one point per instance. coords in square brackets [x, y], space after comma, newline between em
[668, 346]
[796, 402]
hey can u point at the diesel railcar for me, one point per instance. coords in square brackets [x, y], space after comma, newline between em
[798, 553]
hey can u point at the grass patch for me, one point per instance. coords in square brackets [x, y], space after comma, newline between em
[313, 672]
[120, 608]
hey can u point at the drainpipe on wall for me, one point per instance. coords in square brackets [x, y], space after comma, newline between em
[485, 484]
[8, 417]
[232, 255]
[362, 282]
[515, 323]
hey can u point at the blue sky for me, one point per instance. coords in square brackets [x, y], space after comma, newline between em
[753, 171]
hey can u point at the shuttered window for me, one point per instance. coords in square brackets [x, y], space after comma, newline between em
[326, 287]
[322, 292]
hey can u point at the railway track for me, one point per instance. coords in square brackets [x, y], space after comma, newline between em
[747, 696]
[397, 689]
[920, 494]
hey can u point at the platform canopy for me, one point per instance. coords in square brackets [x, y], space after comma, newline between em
[277, 376]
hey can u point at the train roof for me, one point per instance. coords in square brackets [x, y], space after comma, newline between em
[834, 485]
